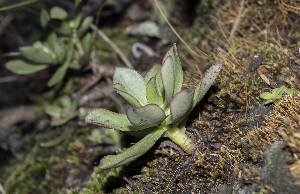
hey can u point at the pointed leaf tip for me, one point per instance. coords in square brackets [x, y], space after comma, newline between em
[207, 80]
[168, 80]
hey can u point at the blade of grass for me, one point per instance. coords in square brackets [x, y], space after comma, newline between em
[17, 5]
[187, 46]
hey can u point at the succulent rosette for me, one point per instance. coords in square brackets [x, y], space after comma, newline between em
[157, 102]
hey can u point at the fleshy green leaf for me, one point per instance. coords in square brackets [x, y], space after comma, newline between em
[155, 70]
[167, 76]
[110, 119]
[146, 116]
[59, 122]
[181, 104]
[160, 86]
[85, 26]
[65, 101]
[178, 74]
[87, 41]
[76, 21]
[153, 95]
[133, 152]
[290, 91]
[51, 38]
[58, 13]
[37, 55]
[77, 4]
[130, 99]
[268, 102]
[88, 44]
[44, 18]
[208, 79]
[266, 95]
[74, 105]
[60, 51]
[53, 110]
[58, 75]
[22, 67]
[133, 82]
[279, 91]
[60, 26]
[55, 141]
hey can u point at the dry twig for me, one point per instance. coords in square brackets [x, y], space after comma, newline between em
[106, 39]
[237, 21]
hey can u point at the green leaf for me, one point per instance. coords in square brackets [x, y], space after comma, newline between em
[160, 86]
[70, 53]
[61, 27]
[38, 55]
[110, 119]
[178, 74]
[155, 70]
[146, 116]
[58, 13]
[53, 110]
[86, 42]
[115, 135]
[153, 95]
[275, 91]
[133, 152]
[55, 141]
[129, 98]
[51, 38]
[59, 122]
[74, 105]
[268, 102]
[58, 75]
[290, 91]
[76, 21]
[167, 76]
[266, 95]
[59, 49]
[44, 18]
[77, 4]
[208, 79]
[65, 101]
[279, 91]
[22, 67]
[85, 26]
[181, 104]
[133, 83]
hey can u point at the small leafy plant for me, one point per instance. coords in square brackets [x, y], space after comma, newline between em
[158, 106]
[62, 114]
[69, 50]
[275, 94]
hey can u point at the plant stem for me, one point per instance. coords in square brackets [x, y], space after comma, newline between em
[181, 139]
[17, 5]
